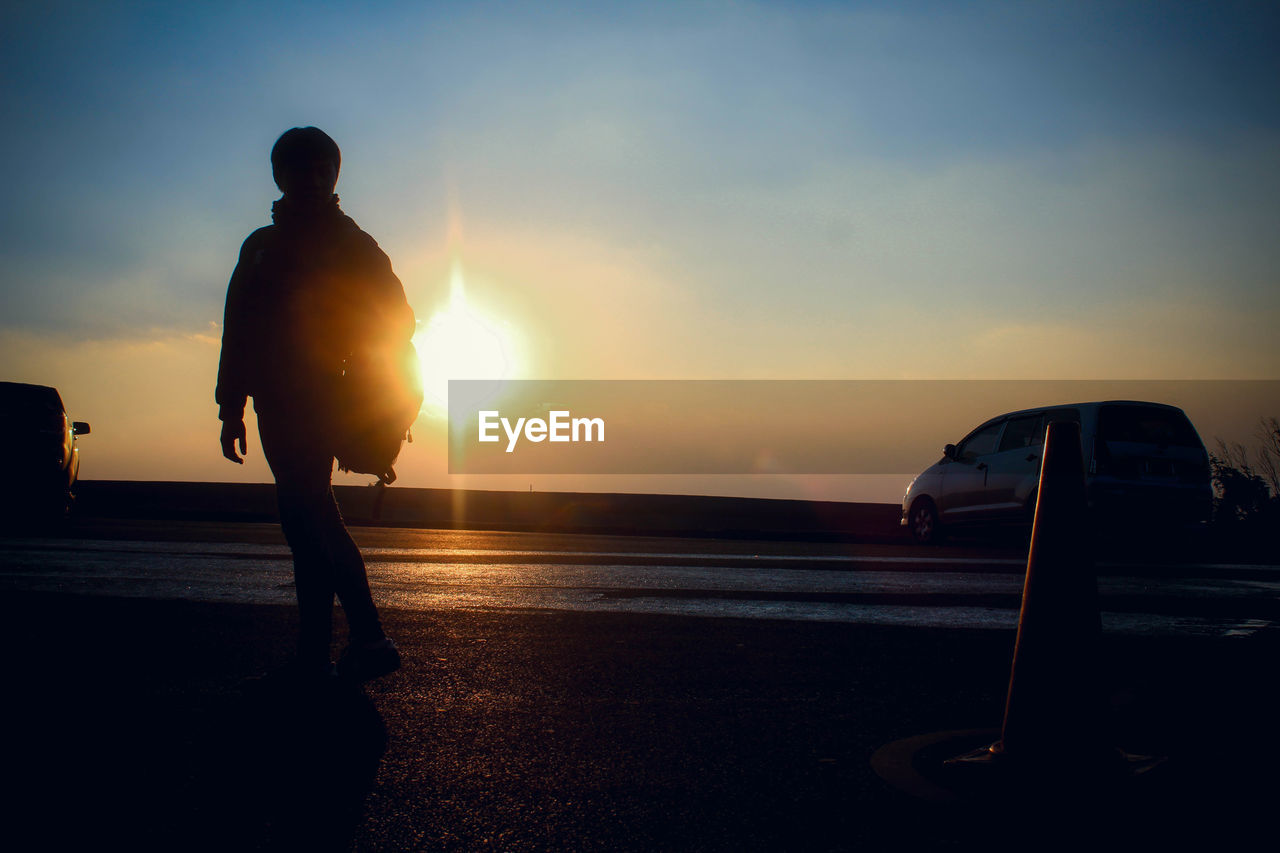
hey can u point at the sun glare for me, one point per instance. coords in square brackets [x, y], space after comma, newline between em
[460, 342]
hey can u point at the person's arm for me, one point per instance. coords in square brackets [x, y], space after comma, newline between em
[232, 391]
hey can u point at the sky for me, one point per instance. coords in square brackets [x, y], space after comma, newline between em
[719, 190]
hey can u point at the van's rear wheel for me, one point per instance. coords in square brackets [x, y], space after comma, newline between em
[923, 522]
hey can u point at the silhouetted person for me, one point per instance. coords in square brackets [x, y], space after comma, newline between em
[307, 292]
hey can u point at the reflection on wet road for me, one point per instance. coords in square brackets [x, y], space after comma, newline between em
[890, 585]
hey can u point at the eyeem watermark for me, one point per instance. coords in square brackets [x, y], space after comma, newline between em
[785, 427]
[559, 426]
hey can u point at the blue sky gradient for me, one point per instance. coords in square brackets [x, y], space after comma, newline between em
[713, 190]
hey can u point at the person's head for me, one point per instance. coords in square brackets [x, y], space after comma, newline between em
[305, 163]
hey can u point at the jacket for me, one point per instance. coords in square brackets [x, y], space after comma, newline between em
[307, 293]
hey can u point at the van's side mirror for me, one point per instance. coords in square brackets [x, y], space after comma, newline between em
[949, 451]
[79, 427]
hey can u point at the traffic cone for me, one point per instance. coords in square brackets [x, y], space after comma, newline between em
[1054, 713]
[1054, 709]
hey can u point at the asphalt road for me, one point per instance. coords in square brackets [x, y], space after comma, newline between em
[975, 586]
[599, 693]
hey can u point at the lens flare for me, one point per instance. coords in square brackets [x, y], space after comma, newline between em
[460, 341]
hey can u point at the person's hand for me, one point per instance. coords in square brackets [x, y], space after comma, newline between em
[232, 434]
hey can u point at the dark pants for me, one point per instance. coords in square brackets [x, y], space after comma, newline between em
[325, 559]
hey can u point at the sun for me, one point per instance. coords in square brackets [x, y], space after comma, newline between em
[460, 341]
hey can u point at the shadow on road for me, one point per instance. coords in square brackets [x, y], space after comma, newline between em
[292, 770]
[125, 722]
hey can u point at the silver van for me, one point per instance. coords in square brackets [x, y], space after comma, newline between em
[1145, 464]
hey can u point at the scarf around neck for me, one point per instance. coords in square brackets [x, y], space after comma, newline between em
[291, 212]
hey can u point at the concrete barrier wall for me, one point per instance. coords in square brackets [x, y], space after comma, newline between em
[543, 511]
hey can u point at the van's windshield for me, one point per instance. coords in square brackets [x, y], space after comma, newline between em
[1146, 425]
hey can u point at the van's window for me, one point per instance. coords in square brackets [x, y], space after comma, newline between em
[1026, 431]
[1054, 416]
[980, 443]
[1146, 425]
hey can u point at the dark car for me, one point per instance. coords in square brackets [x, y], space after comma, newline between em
[40, 442]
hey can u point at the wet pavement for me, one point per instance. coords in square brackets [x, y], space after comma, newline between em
[877, 584]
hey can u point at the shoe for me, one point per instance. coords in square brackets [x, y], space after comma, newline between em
[369, 661]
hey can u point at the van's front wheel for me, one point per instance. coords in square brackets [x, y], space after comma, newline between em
[923, 522]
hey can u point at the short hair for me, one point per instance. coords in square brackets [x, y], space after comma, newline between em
[299, 144]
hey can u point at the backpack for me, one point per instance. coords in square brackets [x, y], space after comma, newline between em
[378, 399]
